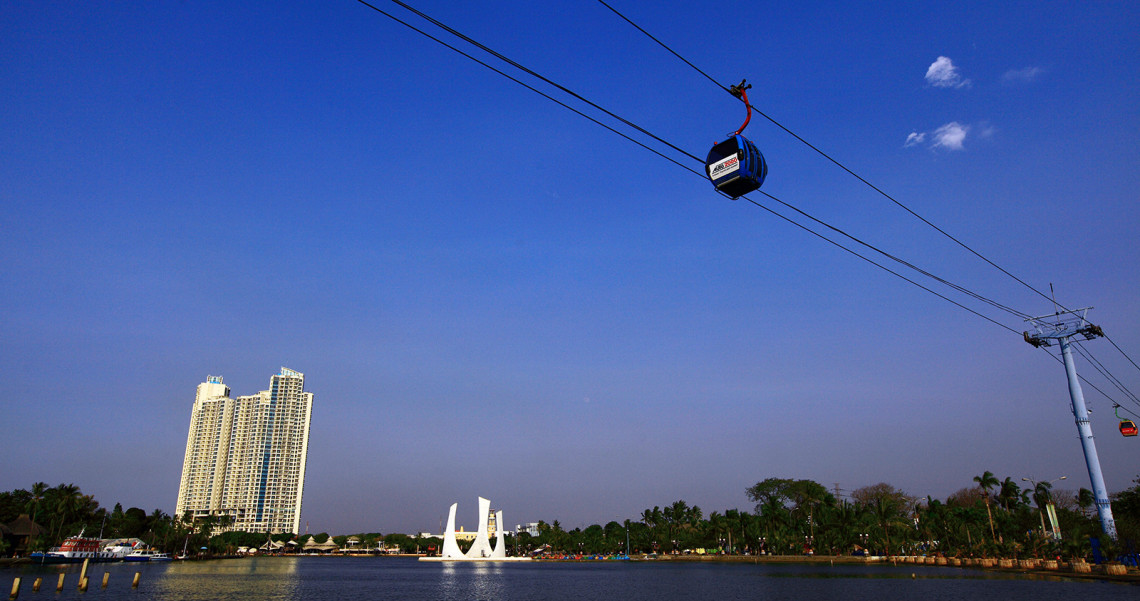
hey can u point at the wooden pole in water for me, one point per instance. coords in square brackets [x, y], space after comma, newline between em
[135, 582]
[106, 576]
[83, 572]
[15, 589]
[36, 585]
[59, 587]
[83, 585]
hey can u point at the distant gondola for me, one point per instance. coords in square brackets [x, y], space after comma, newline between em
[1127, 426]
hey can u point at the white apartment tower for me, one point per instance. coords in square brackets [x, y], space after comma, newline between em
[245, 457]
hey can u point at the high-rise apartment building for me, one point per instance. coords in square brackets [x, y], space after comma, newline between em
[245, 456]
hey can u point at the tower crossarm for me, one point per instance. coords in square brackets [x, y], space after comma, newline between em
[1063, 325]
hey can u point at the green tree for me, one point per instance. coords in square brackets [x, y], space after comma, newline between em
[13, 503]
[1085, 500]
[1010, 496]
[769, 491]
[614, 535]
[403, 542]
[39, 490]
[840, 527]
[1126, 512]
[987, 481]
[775, 523]
[206, 525]
[889, 515]
[716, 530]
[67, 502]
[734, 530]
[788, 509]
[1042, 494]
[593, 539]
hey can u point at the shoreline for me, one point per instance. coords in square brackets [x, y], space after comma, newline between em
[1064, 570]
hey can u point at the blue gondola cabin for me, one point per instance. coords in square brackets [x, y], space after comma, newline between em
[736, 167]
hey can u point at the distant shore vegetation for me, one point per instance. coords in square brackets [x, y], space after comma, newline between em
[990, 517]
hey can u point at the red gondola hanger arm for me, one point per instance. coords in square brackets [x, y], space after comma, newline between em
[741, 91]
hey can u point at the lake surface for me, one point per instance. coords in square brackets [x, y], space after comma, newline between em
[337, 578]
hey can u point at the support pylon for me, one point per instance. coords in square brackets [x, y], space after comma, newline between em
[1062, 327]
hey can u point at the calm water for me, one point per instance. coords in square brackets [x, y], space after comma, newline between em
[329, 578]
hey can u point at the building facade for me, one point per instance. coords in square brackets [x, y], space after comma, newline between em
[245, 456]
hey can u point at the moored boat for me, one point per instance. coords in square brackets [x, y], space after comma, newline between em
[147, 555]
[75, 549]
[118, 548]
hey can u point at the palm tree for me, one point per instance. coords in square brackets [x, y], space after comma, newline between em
[659, 518]
[934, 519]
[38, 490]
[1011, 496]
[676, 515]
[160, 523]
[557, 535]
[887, 513]
[715, 527]
[773, 513]
[838, 526]
[987, 481]
[1041, 496]
[964, 517]
[775, 522]
[735, 524]
[1085, 500]
[67, 502]
[206, 526]
[695, 515]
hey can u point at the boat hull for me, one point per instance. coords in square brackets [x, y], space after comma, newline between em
[47, 558]
[134, 557]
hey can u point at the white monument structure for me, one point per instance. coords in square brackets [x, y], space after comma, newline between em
[481, 549]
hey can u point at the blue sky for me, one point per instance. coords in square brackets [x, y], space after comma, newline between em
[490, 295]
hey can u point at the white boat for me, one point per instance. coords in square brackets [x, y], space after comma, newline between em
[76, 549]
[147, 555]
[119, 548]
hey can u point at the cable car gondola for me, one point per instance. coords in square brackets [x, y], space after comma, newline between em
[735, 166]
[1127, 426]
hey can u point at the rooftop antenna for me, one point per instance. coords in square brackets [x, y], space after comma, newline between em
[1061, 328]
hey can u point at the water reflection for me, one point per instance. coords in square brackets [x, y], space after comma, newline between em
[269, 578]
[337, 578]
[471, 580]
[247, 566]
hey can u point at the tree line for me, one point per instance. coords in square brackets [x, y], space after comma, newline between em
[988, 518]
[62, 511]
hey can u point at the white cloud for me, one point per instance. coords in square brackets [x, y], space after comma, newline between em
[950, 136]
[943, 74]
[1025, 75]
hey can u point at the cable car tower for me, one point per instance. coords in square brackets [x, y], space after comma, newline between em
[1061, 327]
